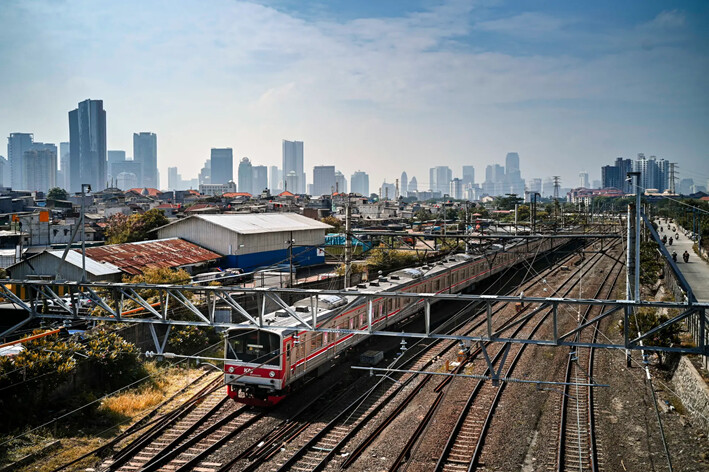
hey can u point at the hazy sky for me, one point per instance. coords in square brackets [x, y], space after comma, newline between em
[381, 86]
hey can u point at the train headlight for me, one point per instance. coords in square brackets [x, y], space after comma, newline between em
[231, 369]
[272, 374]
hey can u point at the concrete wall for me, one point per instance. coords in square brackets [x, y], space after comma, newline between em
[693, 391]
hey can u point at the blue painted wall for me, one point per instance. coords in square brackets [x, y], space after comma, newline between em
[302, 256]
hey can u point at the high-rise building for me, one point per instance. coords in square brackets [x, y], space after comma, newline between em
[87, 148]
[468, 175]
[440, 177]
[275, 179]
[387, 191]
[535, 185]
[133, 167]
[456, 189]
[64, 157]
[404, 184]
[205, 174]
[360, 183]
[293, 162]
[340, 182]
[260, 179]
[291, 182]
[323, 180]
[685, 186]
[114, 157]
[583, 180]
[40, 168]
[222, 166]
[127, 180]
[246, 175]
[413, 185]
[17, 144]
[514, 183]
[145, 151]
[174, 180]
[4, 172]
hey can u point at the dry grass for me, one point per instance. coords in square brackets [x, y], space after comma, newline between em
[122, 410]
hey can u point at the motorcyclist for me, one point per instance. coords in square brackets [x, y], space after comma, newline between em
[677, 236]
[685, 256]
[662, 230]
[674, 256]
[664, 239]
[670, 241]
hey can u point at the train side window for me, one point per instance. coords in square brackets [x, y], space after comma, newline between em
[288, 352]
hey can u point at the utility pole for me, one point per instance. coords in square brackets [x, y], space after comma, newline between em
[637, 234]
[348, 243]
[84, 189]
[290, 259]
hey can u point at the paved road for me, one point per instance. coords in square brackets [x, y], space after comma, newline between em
[696, 271]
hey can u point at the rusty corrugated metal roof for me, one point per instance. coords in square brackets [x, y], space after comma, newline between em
[134, 258]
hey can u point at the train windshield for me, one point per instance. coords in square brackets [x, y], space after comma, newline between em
[254, 346]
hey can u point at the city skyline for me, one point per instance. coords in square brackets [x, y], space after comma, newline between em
[546, 97]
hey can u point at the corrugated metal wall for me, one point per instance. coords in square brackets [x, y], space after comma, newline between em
[46, 264]
[223, 241]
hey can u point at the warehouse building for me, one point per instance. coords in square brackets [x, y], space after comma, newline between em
[254, 240]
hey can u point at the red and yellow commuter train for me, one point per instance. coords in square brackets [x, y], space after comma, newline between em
[263, 365]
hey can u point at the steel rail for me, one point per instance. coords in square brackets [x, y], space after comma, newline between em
[563, 421]
[370, 438]
[474, 394]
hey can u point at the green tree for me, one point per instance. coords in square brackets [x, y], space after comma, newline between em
[133, 228]
[334, 222]
[508, 202]
[56, 193]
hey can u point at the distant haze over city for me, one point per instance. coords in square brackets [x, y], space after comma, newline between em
[382, 87]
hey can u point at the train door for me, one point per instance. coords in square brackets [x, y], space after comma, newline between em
[299, 352]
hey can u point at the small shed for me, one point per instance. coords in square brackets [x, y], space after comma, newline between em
[48, 264]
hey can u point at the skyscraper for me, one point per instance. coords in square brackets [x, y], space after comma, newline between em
[17, 144]
[468, 175]
[64, 156]
[440, 177]
[413, 185]
[323, 180]
[513, 177]
[87, 138]
[145, 151]
[246, 175]
[583, 180]
[222, 166]
[404, 184]
[40, 168]
[4, 172]
[456, 189]
[275, 179]
[173, 179]
[360, 183]
[113, 158]
[340, 182]
[293, 162]
[260, 179]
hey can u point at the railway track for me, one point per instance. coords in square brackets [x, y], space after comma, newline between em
[315, 453]
[577, 449]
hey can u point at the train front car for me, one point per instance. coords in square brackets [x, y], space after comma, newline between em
[254, 372]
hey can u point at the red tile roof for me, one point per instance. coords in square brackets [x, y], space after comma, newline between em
[134, 258]
[286, 194]
[153, 192]
[236, 194]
